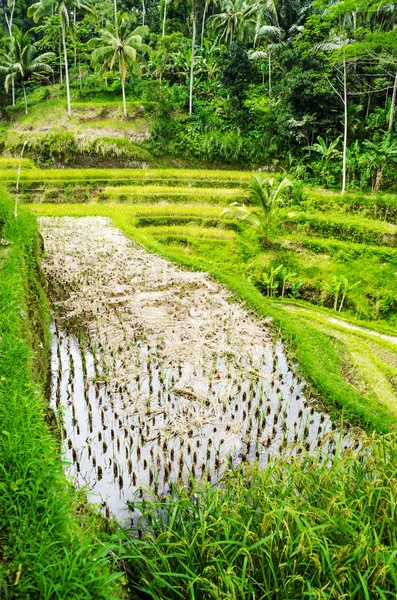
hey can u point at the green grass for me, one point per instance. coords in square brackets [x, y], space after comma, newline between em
[52, 113]
[13, 163]
[344, 227]
[299, 528]
[47, 535]
[153, 193]
[190, 231]
[380, 206]
[128, 176]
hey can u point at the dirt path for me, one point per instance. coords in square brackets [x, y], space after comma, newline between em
[177, 376]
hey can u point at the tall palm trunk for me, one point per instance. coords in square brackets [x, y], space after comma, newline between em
[25, 99]
[13, 92]
[345, 125]
[192, 57]
[123, 92]
[270, 76]
[115, 10]
[393, 104]
[65, 57]
[75, 47]
[203, 21]
[164, 17]
[143, 12]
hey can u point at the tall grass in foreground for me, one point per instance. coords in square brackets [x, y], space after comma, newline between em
[300, 528]
[45, 553]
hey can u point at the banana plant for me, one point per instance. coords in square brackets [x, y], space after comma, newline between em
[347, 287]
[286, 278]
[339, 288]
[271, 281]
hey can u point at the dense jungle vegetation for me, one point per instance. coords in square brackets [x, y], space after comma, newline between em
[308, 87]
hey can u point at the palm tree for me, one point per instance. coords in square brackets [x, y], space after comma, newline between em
[265, 195]
[118, 49]
[272, 34]
[22, 63]
[234, 20]
[64, 8]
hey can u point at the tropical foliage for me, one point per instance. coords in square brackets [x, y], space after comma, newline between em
[292, 83]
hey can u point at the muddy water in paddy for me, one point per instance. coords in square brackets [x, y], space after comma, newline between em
[173, 377]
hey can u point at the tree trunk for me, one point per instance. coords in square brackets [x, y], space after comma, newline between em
[60, 67]
[192, 58]
[164, 16]
[13, 92]
[75, 48]
[9, 21]
[336, 301]
[143, 12]
[345, 126]
[378, 180]
[115, 10]
[123, 92]
[270, 76]
[25, 100]
[342, 302]
[65, 55]
[203, 22]
[393, 104]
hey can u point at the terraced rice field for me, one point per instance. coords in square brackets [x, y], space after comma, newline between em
[142, 406]
[169, 375]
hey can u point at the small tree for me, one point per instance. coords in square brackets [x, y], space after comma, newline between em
[265, 195]
[21, 63]
[118, 50]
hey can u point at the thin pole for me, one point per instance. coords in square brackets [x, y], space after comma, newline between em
[345, 126]
[18, 177]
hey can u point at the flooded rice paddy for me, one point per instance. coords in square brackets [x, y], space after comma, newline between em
[158, 373]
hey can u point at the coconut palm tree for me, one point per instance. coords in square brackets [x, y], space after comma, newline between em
[65, 8]
[22, 63]
[234, 21]
[118, 49]
[264, 195]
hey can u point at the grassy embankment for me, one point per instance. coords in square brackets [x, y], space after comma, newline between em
[349, 369]
[48, 539]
